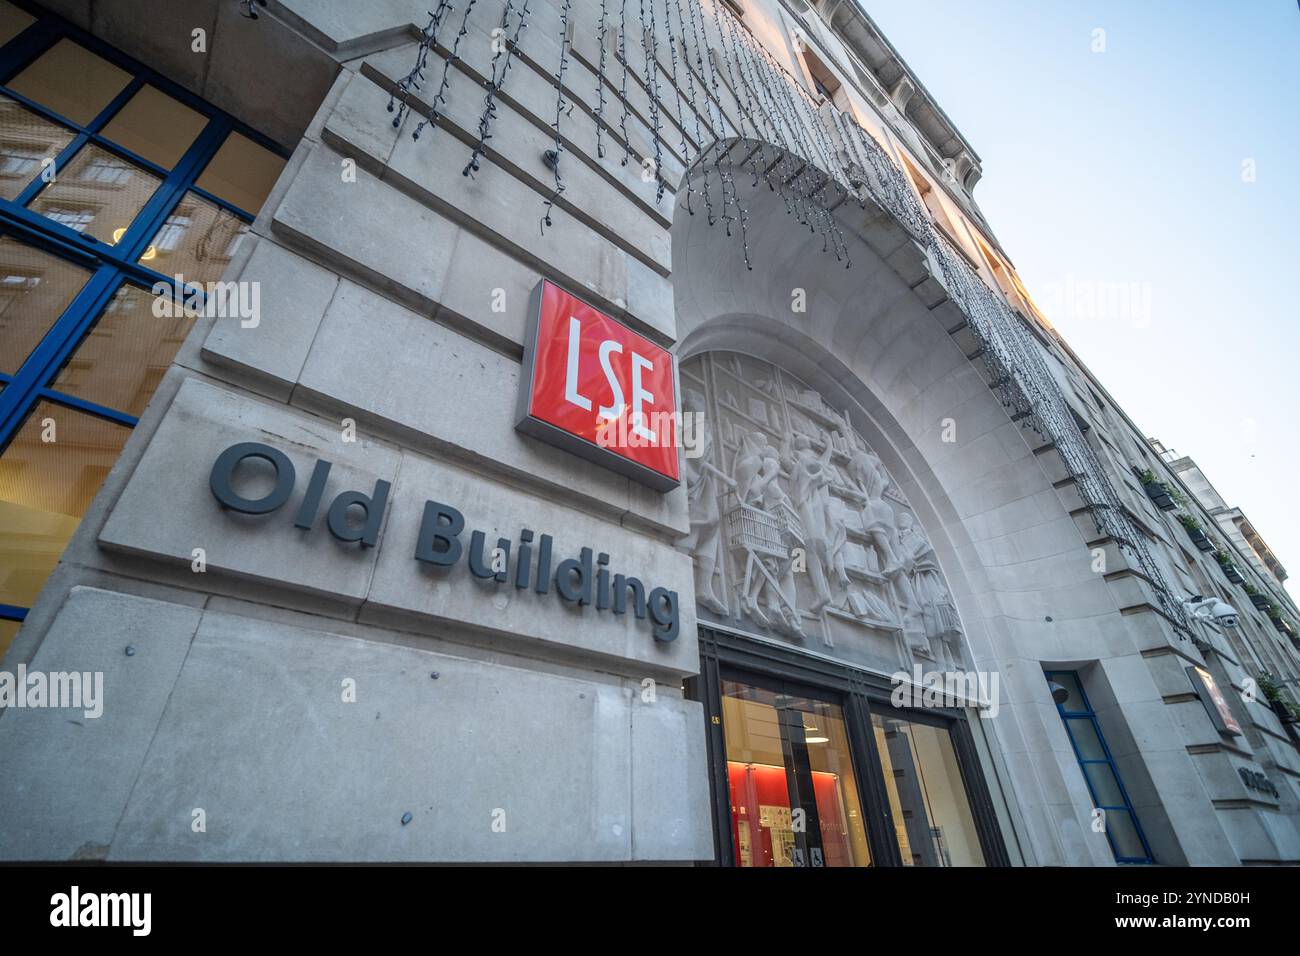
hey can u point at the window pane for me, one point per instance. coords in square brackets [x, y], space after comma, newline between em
[72, 81]
[1124, 835]
[25, 140]
[155, 126]
[1104, 785]
[98, 193]
[45, 488]
[35, 288]
[839, 816]
[779, 744]
[121, 361]
[241, 173]
[197, 241]
[1074, 703]
[8, 629]
[12, 22]
[932, 816]
[1085, 738]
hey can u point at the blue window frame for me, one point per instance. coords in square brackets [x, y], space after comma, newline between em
[1123, 831]
[90, 159]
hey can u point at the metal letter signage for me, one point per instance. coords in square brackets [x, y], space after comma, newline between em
[585, 580]
[594, 387]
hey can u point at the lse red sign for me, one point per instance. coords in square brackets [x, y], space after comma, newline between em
[595, 387]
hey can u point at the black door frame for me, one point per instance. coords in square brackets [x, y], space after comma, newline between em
[859, 693]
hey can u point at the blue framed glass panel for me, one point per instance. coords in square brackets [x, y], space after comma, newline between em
[114, 183]
[1127, 841]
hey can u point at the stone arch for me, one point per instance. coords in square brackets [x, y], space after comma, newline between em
[877, 342]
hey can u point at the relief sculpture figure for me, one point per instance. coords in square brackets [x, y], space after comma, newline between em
[868, 473]
[762, 528]
[702, 478]
[929, 594]
[811, 476]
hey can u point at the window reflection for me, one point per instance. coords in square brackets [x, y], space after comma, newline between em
[26, 141]
[932, 817]
[99, 194]
[48, 475]
[197, 241]
[35, 288]
[122, 360]
[101, 191]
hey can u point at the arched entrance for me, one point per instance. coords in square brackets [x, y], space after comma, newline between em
[848, 440]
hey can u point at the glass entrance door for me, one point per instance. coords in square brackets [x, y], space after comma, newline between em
[790, 778]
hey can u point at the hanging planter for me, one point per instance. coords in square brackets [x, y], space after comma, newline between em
[1230, 570]
[1196, 533]
[1284, 713]
[1157, 490]
[1160, 496]
[1259, 600]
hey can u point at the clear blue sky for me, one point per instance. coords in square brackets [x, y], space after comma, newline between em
[1126, 166]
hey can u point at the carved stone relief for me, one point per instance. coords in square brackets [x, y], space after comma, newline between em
[799, 531]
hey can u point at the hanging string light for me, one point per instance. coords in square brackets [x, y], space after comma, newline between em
[622, 89]
[412, 80]
[553, 156]
[719, 130]
[791, 167]
[600, 85]
[699, 135]
[681, 119]
[810, 182]
[758, 158]
[753, 153]
[441, 97]
[772, 111]
[498, 80]
[771, 114]
[650, 50]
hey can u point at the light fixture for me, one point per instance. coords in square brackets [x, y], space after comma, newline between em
[148, 253]
[811, 735]
[1059, 693]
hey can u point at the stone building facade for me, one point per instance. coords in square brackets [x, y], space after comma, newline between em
[897, 467]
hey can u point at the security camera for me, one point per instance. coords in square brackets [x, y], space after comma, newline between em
[1225, 614]
[1211, 609]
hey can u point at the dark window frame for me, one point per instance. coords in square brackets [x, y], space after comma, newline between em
[727, 655]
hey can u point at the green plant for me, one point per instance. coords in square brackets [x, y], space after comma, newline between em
[1250, 589]
[1148, 477]
[1180, 499]
[1268, 688]
[1188, 522]
[1222, 558]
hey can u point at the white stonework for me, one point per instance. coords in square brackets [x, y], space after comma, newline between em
[865, 497]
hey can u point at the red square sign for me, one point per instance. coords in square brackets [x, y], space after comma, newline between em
[594, 387]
